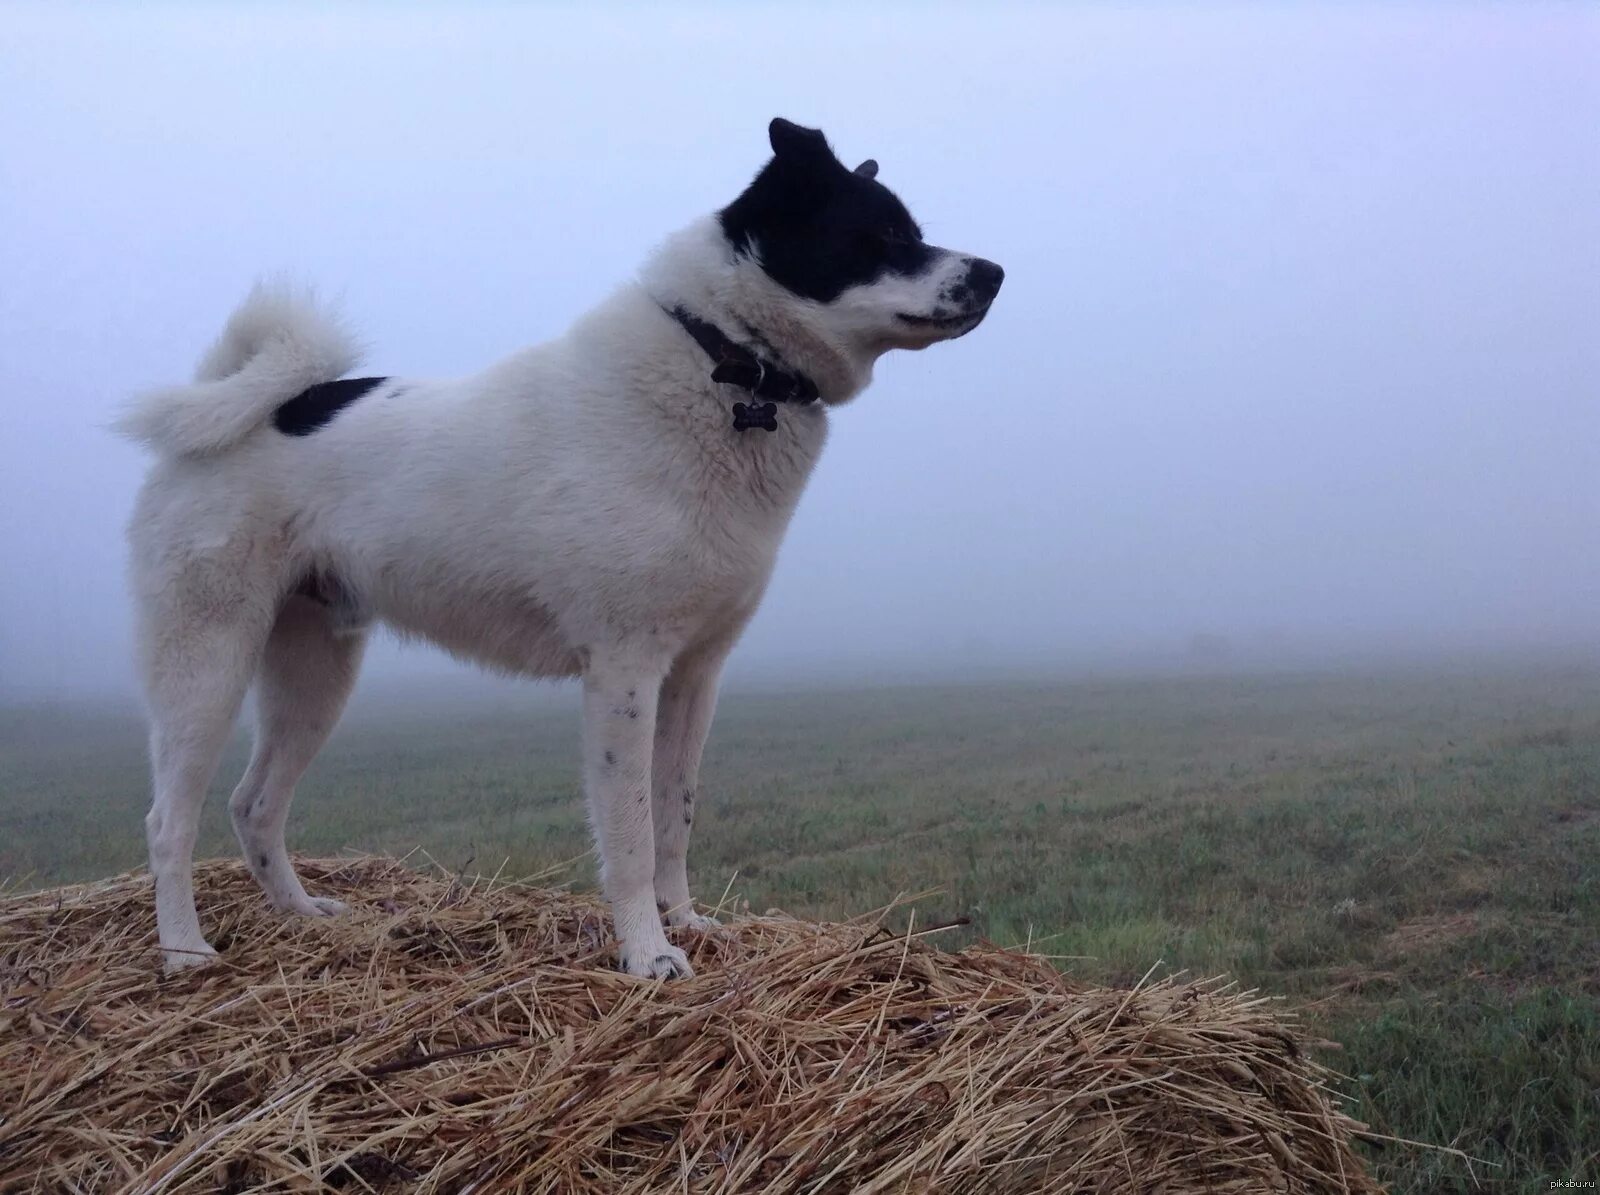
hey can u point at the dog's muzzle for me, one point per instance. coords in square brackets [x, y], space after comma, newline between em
[971, 297]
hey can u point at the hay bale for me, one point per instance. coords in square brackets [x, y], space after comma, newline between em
[455, 1036]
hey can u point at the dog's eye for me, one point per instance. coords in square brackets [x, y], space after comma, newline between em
[890, 241]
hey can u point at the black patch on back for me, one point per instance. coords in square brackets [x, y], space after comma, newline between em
[818, 227]
[312, 408]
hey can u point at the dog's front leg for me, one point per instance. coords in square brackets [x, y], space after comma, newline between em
[619, 718]
[688, 701]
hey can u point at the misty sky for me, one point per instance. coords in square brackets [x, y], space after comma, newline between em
[1297, 343]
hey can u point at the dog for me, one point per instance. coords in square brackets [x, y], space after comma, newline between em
[606, 506]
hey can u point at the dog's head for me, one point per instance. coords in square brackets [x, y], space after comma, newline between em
[843, 242]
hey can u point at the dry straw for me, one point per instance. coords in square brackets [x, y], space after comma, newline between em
[470, 1036]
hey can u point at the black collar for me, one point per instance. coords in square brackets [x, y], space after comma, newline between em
[736, 365]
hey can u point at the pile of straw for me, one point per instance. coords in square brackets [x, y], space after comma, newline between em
[457, 1035]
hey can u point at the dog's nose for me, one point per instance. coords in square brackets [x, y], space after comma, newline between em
[984, 277]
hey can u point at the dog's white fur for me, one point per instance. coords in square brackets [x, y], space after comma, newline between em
[580, 509]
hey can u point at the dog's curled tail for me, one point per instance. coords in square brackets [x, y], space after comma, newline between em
[279, 342]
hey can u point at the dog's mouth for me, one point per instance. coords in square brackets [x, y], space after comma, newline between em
[946, 325]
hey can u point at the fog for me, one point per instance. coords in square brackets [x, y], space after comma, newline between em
[1296, 357]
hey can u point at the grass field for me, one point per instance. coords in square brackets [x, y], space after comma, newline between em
[1412, 859]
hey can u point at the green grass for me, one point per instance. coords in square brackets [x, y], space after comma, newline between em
[1413, 860]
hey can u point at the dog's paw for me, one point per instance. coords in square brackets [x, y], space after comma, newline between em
[175, 959]
[326, 906]
[683, 916]
[656, 962]
[700, 923]
[315, 906]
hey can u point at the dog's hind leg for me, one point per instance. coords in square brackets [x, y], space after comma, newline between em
[197, 664]
[306, 674]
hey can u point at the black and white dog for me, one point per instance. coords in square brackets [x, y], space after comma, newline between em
[606, 506]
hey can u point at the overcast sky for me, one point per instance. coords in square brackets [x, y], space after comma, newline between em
[1297, 344]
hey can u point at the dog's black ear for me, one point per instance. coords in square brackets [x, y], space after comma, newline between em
[868, 169]
[796, 143]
